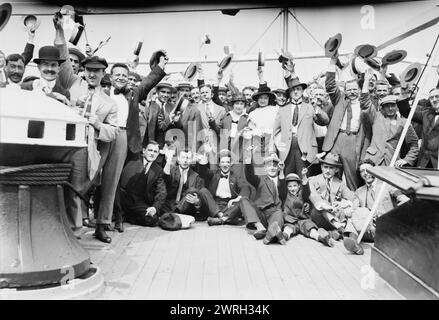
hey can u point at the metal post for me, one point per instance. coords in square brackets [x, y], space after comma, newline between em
[285, 29]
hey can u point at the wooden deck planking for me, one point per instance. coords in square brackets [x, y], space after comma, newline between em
[226, 262]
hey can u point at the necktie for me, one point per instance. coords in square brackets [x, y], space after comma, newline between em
[180, 187]
[328, 190]
[295, 115]
[276, 196]
[370, 197]
[147, 166]
[348, 118]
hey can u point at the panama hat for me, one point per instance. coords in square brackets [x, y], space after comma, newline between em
[393, 57]
[365, 51]
[332, 45]
[32, 22]
[410, 74]
[191, 71]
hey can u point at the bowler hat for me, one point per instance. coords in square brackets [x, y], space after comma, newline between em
[295, 83]
[238, 97]
[332, 45]
[365, 51]
[264, 90]
[175, 221]
[393, 57]
[50, 53]
[331, 159]
[77, 53]
[292, 177]
[94, 62]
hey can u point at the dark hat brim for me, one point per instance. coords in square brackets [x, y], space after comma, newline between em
[39, 60]
[365, 51]
[332, 45]
[164, 85]
[373, 63]
[238, 99]
[5, 14]
[335, 164]
[303, 85]
[225, 62]
[191, 71]
[293, 179]
[77, 53]
[271, 96]
[94, 65]
[393, 57]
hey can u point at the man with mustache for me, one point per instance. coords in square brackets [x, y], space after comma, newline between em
[48, 63]
[347, 134]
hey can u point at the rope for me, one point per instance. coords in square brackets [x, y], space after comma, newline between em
[40, 175]
[306, 30]
[263, 33]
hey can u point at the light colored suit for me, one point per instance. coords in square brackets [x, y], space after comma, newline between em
[317, 185]
[384, 140]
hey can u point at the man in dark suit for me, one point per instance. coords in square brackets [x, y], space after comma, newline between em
[229, 191]
[143, 189]
[185, 188]
[48, 63]
[271, 192]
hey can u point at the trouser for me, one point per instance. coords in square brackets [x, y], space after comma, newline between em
[110, 177]
[241, 209]
[357, 221]
[323, 219]
[345, 147]
[293, 161]
[303, 227]
[271, 215]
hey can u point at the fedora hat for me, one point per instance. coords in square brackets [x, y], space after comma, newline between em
[48, 53]
[393, 57]
[31, 21]
[261, 60]
[77, 52]
[155, 58]
[331, 159]
[295, 83]
[238, 97]
[267, 91]
[332, 45]
[175, 221]
[5, 14]
[292, 177]
[365, 51]
[191, 71]
[374, 63]
[410, 74]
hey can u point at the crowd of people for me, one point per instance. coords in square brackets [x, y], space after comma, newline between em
[282, 162]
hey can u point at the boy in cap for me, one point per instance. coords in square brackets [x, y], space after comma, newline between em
[333, 201]
[296, 211]
[270, 193]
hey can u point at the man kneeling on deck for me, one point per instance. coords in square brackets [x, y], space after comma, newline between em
[230, 192]
[333, 201]
[270, 191]
[296, 211]
[366, 195]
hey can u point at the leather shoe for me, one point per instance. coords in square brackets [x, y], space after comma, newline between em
[88, 223]
[334, 234]
[281, 238]
[259, 235]
[350, 243]
[101, 235]
[211, 221]
[119, 226]
[325, 238]
[108, 227]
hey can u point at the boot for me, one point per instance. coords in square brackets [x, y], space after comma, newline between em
[119, 226]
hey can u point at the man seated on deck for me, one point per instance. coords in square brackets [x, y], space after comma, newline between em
[142, 189]
[333, 201]
[366, 195]
[229, 191]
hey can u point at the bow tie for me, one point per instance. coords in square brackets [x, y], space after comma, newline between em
[120, 91]
[224, 176]
[233, 121]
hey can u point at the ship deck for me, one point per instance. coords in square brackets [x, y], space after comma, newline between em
[226, 262]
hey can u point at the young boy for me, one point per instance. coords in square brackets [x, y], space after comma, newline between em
[296, 211]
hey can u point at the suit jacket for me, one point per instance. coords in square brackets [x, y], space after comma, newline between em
[238, 187]
[194, 182]
[57, 88]
[293, 206]
[28, 53]
[157, 123]
[134, 97]
[190, 124]
[340, 103]
[317, 185]
[392, 197]
[141, 188]
[218, 113]
[383, 143]
[305, 129]
[265, 193]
